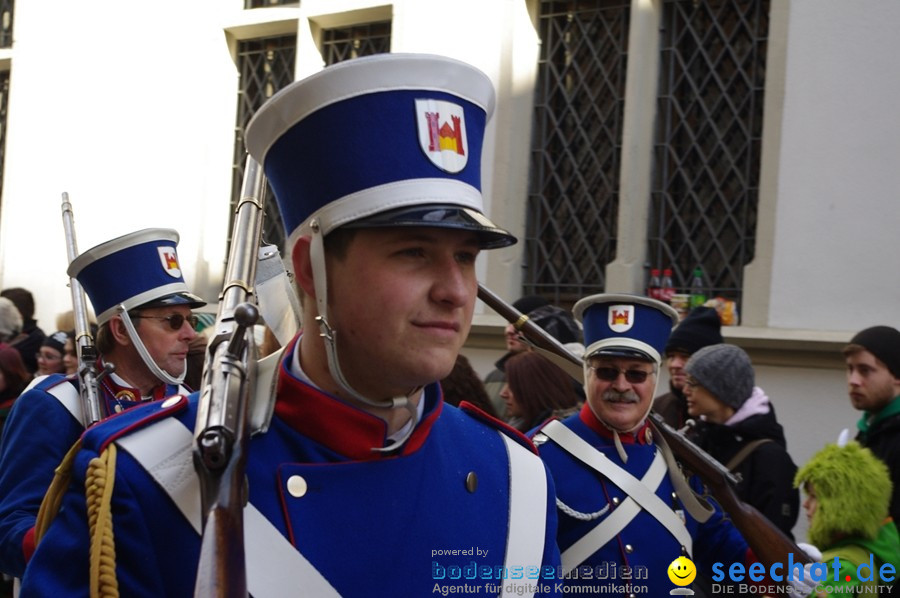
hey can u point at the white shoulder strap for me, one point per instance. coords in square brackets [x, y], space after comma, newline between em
[641, 494]
[274, 567]
[527, 510]
[68, 396]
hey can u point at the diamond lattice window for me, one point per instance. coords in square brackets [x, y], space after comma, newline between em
[4, 99]
[707, 155]
[266, 65]
[265, 3]
[573, 199]
[344, 43]
[6, 23]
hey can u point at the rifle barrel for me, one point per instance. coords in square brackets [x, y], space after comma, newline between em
[221, 433]
[84, 342]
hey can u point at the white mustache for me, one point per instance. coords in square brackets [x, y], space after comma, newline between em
[629, 396]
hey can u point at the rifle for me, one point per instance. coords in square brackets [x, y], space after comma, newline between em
[222, 430]
[88, 375]
[769, 544]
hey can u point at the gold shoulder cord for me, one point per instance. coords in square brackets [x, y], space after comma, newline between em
[99, 481]
[101, 475]
[53, 498]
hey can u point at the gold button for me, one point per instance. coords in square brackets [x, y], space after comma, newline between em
[629, 548]
[471, 481]
[615, 500]
[296, 486]
[170, 402]
[649, 436]
[117, 408]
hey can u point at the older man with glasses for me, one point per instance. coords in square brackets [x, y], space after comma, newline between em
[143, 309]
[625, 510]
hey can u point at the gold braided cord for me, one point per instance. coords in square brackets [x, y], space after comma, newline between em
[98, 486]
[54, 496]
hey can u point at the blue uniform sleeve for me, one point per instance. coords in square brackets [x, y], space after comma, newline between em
[38, 434]
[718, 540]
[61, 563]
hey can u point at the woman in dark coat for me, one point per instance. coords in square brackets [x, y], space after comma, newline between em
[13, 380]
[736, 424]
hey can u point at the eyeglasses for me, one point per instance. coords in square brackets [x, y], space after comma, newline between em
[176, 321]
[610, 374]
[47, 356]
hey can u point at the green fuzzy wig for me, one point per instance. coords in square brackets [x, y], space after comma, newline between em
[853, 488]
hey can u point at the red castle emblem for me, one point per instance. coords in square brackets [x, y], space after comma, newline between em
[442, 133]
[445, 137]
[169, 260]
[620, 317]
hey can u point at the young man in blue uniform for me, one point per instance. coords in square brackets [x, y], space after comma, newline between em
[625, 510]
[143, 309]
[361, 481]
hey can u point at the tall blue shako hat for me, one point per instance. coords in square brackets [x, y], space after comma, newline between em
[622, 325]
[137, 270]
[382, 141]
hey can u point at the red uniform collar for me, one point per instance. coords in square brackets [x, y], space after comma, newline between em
[640, 436]
[343, 428]
[121, 392]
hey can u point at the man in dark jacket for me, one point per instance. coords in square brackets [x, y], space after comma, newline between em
[701, 328]
[873, 380]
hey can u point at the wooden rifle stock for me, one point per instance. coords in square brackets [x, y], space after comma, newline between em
[769, 544]
[222, 430]
[534, 333]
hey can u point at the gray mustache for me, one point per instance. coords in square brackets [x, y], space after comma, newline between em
[629, 396]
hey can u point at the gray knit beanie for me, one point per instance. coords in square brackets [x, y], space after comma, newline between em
[725, 371]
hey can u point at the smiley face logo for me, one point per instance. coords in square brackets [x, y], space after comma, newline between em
[682, 571]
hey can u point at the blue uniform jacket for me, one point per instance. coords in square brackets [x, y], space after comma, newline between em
[642, 552]
[38, 434]
[372, 525]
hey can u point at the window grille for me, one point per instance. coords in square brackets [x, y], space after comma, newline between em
[707, 153]
[264, 3]
[6, 23]
[266, 65]
[4, 98]
[579, 100]
[344, 43]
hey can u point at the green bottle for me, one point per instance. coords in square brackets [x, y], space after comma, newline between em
[698, 288]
